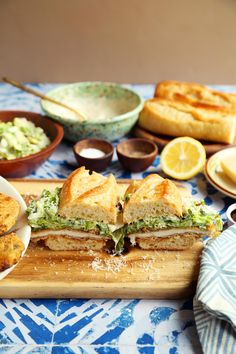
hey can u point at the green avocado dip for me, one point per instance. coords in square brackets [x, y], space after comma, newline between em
[21, 138]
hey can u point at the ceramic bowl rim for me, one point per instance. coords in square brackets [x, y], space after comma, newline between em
[228, 213]
[117, 118]
[51, 146]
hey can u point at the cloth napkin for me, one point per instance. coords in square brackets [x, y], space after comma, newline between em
[215, 301]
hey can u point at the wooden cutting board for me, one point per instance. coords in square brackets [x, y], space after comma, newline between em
[43, 273]
[161, 141]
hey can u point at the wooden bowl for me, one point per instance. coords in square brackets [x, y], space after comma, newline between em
[94, 163]
[136, 154]
[23, 166]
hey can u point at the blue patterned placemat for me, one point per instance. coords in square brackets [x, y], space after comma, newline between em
[99, 326]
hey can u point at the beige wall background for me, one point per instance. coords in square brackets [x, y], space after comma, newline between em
[139, 41]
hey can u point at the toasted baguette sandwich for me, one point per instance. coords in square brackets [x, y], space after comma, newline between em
[196, 95]
[80, 216]
[176, 118]
[157, 217]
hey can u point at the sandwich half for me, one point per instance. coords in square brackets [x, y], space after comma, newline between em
[79, 216]
[158, 217]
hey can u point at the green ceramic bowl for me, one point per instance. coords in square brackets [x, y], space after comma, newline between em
[112, 110]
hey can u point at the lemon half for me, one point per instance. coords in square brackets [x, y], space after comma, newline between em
[182, 158]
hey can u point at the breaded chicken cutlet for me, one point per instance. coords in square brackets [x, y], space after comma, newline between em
[9, 211]
[11, 248]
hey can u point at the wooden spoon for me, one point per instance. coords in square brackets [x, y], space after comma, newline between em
[79, 115]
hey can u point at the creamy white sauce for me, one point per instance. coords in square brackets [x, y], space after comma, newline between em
[91, 153]
[94, 109]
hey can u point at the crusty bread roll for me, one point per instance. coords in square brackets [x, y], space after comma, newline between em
[195, 94]
[90, 196]
[181, 119]
[154, 195]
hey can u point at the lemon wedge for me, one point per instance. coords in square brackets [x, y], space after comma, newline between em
[182, 158]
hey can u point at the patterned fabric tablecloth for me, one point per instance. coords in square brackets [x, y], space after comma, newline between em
[99, 326]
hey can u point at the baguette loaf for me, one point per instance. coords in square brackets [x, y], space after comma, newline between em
[181, 119]
[196, 95]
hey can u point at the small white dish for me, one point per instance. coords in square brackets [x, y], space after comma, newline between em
[215, 175]
[230, 220]
[22, 227]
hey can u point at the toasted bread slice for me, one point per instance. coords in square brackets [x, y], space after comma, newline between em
[11, 248]
[181, 119]
[9, 211]
[151, 197]
[89, 196]
[195, 94]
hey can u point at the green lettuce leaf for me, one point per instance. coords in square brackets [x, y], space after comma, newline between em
[196, 215]
[118, 236]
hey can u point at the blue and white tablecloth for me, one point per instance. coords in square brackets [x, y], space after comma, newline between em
[99, 326]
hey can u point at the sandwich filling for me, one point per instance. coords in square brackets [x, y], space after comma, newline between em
[197, 218]
[43, 216]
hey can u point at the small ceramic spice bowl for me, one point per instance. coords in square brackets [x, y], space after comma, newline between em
[136, 154]
[94, 154]
[231, 214]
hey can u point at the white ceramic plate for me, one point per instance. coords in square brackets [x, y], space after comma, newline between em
[22, 227]
[216, 176]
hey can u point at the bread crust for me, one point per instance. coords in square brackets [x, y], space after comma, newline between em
[150, 197]
[11, 248]
[196, 95]
[181, 119]
[89, 196]
[9, 211]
